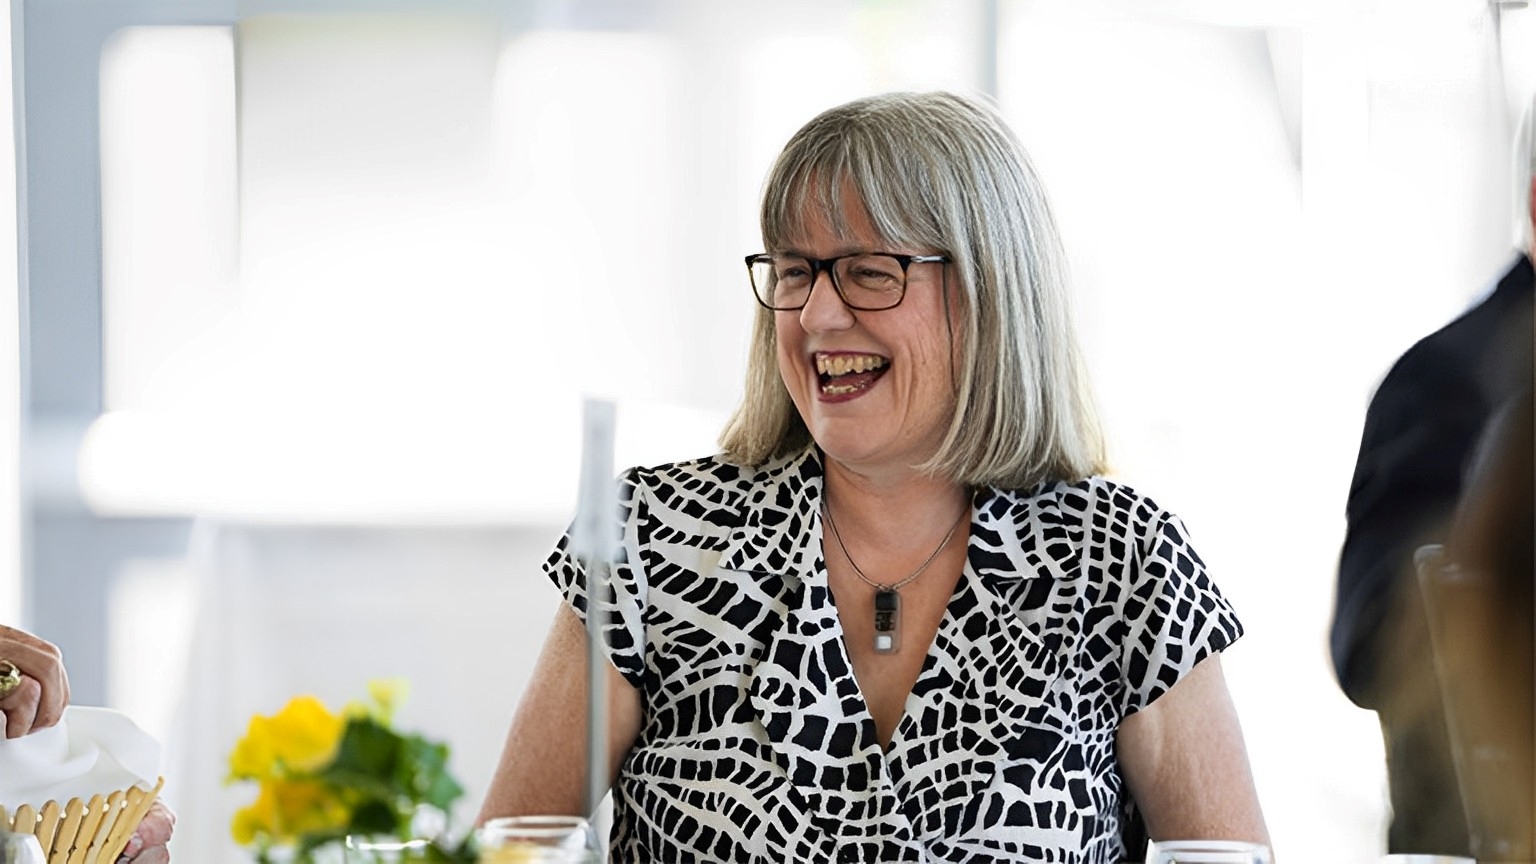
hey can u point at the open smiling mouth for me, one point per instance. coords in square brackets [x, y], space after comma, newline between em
[841, 374]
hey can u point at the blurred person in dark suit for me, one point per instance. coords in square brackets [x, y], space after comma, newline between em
[1483, 624]
[1422, 430]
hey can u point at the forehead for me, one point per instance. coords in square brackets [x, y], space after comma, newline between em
[815, 223]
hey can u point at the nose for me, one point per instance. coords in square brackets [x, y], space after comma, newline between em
[824, 309]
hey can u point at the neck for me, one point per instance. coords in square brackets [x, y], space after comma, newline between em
[886, 508]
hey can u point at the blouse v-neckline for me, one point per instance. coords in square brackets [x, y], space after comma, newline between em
[823, 602]
[814, 720]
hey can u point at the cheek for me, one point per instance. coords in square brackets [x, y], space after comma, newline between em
[939, 356]
[784, 353]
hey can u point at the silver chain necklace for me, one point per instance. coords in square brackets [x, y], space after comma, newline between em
[887, 600]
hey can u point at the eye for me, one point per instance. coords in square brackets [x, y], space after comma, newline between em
[875, 271]
[791, 269]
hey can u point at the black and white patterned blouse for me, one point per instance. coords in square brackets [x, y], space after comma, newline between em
[1080, 604]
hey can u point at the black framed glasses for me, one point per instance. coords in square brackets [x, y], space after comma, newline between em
[869, 281]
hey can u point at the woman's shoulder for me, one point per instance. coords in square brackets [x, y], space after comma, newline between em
[705, 469]
[1092, 527]
[1095, 500]
[716, 482]
[715, 469]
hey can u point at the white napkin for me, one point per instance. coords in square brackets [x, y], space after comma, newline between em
[92, 751]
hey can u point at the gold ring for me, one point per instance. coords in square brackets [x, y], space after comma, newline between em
[10, 678]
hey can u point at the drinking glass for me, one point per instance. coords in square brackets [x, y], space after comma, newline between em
[538, 840]
[16, 848]
[1206, 852]
[383, 850]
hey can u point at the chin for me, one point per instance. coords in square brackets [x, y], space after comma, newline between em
[845, 448]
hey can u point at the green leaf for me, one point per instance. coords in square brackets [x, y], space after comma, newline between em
[367, 749]
[375, 816]
[423, 773]
[442, 791]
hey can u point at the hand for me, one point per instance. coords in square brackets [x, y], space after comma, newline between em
[147, 845]
[38, 701]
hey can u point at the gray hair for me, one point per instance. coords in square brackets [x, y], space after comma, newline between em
[939, 171]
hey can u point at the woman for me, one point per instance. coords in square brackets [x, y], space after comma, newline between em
[899, 618]
[34, 689]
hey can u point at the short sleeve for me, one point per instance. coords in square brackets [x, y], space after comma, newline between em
[1175, 614]
[625, 600]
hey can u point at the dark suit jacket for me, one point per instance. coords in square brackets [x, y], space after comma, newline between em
[1421, 429]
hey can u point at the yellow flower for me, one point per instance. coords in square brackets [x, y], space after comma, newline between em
[248, 822]
[254, 756]
[387, 694]
[301, 738]
[311, 790]
[285, 810]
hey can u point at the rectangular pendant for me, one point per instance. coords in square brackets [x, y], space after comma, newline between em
[887, 621]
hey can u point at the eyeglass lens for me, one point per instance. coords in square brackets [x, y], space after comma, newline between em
[871, 281]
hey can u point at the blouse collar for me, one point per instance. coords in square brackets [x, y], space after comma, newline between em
[1016, 534]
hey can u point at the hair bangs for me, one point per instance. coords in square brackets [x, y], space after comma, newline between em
[837, 170]
[805, 184]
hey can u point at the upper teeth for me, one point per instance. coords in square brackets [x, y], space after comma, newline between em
[842, 364]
